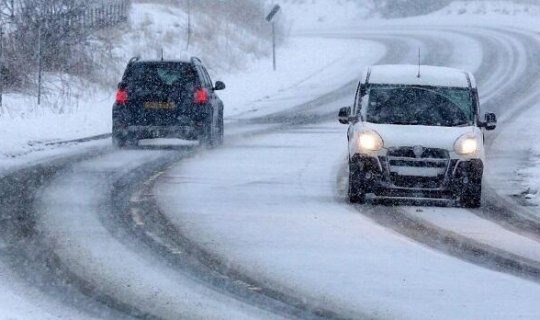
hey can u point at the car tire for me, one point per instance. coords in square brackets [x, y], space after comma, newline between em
[221, 129]
[132, 142]
[118, 142]
[355, 192]
[207, 138]
[472, 197]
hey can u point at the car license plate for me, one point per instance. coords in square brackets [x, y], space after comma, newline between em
[159, 105]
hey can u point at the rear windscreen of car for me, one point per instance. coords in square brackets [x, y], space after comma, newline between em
[162, 77]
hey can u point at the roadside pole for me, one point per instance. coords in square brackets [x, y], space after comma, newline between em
[270, 18]
[274, 44]
[39, 65]
[188, 26]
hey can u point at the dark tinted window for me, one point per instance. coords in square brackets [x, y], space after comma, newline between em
[411, 105]
[161, 75]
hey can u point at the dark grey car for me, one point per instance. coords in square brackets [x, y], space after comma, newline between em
[167, 99]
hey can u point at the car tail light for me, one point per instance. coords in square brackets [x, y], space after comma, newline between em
[121, 96]
[200, 96]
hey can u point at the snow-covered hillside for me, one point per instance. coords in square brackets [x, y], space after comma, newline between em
[507, 8]
[310, 14]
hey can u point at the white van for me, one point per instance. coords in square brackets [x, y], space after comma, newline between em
[415, 132]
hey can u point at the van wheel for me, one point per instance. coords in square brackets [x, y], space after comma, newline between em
[356, 193]
[472, 197]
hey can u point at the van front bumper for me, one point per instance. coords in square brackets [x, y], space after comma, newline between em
[432, 179]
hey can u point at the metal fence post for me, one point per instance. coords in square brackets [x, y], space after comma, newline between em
[1, 66]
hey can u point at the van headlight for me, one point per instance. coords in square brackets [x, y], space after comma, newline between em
[466, 145]
[369, 140]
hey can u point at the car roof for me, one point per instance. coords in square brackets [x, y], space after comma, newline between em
[161, 61]
[429, 76]
[182, 59]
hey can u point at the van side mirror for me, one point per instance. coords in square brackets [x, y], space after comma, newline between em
[343, 115]
[490, 121]
[219, 85]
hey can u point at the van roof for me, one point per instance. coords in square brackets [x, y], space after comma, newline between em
[429, 76]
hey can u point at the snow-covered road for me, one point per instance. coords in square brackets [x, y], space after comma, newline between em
[268, 206]
[260, 228]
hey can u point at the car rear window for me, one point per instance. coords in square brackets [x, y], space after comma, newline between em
[161, 74]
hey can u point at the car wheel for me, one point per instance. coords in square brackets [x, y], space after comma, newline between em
[118, 142]
[355, 193]
[132, 142]
[221, 129]
[207, 138]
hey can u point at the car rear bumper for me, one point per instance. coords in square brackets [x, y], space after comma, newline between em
[153, 132]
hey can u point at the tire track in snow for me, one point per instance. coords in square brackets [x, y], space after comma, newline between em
[323, 117]
[291, 119]
[33, 260]
[52, 271]
[156, 237]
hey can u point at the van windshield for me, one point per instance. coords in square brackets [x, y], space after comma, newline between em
[415, 105]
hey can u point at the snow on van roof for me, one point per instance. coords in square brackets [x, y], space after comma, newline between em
[429, 76]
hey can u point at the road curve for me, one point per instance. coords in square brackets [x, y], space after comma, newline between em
[500, 72]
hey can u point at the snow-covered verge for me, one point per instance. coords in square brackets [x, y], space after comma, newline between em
[27, 127]
[515, 159]
[529, 175]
